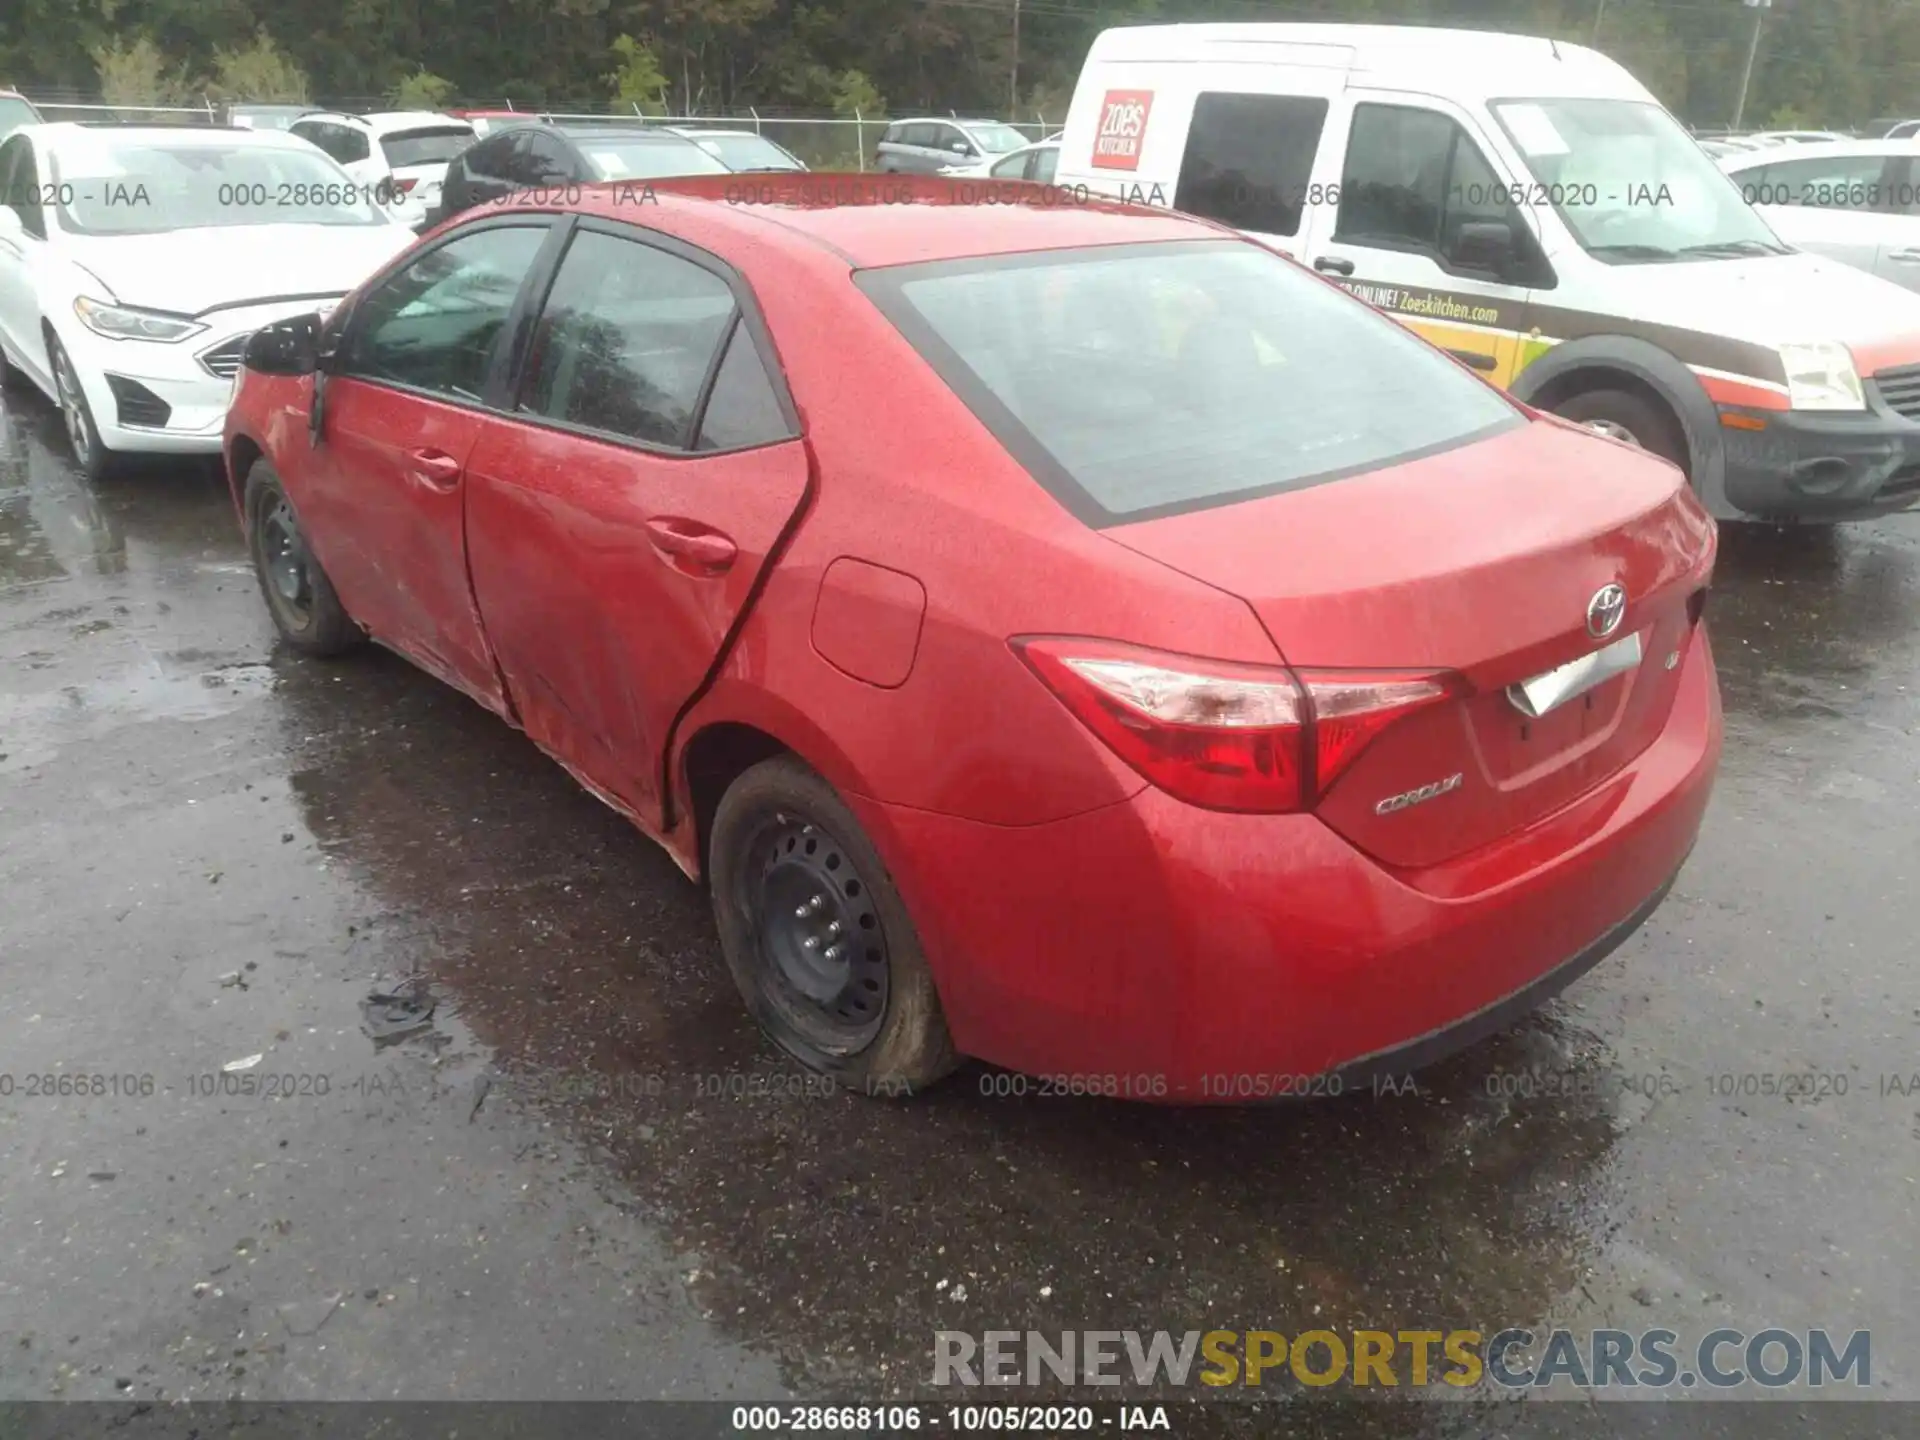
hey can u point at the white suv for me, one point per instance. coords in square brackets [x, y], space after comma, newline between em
[135, 260]
[401, 155]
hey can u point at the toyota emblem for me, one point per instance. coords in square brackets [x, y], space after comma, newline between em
[1605, 611]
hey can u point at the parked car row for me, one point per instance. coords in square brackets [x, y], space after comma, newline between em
[135, 260]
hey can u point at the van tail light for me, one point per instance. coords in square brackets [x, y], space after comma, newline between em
[1226, 736]
[405, 187]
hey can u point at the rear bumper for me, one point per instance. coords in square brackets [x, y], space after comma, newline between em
[1154, 950]
[1810, 466]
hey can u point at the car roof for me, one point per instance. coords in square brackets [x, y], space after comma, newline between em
[1824, 150]
[960, 120]
[1478, 65]
[870, 221]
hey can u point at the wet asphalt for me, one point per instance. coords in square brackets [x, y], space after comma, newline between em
[588, 1176]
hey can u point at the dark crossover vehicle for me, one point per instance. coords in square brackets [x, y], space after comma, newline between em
[526, 156]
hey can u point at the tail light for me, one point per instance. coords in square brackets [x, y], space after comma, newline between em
[1227, 736]
[405, 187]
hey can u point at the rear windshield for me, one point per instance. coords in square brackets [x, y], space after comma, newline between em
[628, 158]
[425, 147]
[747, 152]
[1143, 380]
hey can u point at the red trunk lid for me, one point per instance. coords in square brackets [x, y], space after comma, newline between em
[1482, 561]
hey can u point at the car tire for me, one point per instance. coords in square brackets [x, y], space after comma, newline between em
[96, 462]
[1623, 415]
[795, 878]
[300, 597]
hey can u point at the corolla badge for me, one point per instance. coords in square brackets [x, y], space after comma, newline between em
[1416, 797]
[1605, 611]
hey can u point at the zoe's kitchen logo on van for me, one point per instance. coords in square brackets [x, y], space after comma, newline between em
[1123, 125]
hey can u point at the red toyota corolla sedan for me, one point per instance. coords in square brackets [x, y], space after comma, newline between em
[1070, 636]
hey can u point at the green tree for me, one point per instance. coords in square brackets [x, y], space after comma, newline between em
[852, 94]
[422, 90]
[261, 72]
[138, 74]
[639, 80]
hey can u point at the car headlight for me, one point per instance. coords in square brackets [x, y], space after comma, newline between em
[1820, 376]
[118, 322]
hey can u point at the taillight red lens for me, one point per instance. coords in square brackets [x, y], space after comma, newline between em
[1222, 735]
[1351, 707]
[405, 186]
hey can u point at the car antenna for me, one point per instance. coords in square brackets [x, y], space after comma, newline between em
[1553, 45]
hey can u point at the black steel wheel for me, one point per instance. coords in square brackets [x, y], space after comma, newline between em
[300, 598]
[818, 939]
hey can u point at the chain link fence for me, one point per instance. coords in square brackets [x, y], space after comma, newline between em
[822, 142]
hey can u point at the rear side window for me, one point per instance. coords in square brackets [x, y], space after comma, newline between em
[923, 135]
[1142, 380]
[434, 146]
[742, 410]
[1842, 182]
[626, 340]
[488, 158]
[1248, 159]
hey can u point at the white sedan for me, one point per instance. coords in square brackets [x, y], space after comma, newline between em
[136, 260]
[1855, 201]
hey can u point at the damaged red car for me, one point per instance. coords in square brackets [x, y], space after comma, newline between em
[1069, 636]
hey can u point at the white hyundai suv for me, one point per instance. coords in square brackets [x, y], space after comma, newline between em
[402, 154]
[136, 260]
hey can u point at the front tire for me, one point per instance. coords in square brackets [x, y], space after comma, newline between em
[300, 597]
[96, 462]
[1623, 415]
[817, 938]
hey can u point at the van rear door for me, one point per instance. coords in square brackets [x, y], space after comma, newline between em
[1409, 210]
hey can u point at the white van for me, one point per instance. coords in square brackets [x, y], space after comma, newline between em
[1530, 207]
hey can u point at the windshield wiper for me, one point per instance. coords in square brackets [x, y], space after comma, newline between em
[1634, 252]
[1736, 247]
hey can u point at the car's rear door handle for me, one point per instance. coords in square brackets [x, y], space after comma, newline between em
[1904, 257]
[435, 469]
[690, 547]
[1333, 264]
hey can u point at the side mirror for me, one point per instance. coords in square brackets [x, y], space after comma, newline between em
[1484, 245]
[960, 147]
[286, 347]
